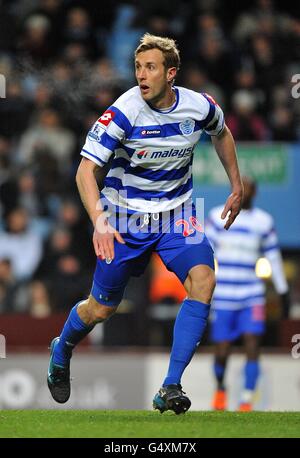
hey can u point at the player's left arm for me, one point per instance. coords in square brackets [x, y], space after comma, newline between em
[225, 148]
[270, 249]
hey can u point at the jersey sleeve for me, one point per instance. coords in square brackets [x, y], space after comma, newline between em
[106, 136]
[214, 122]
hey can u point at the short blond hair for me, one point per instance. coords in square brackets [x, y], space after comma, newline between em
[166, 45]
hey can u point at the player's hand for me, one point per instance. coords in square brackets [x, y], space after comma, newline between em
[233, 205]
[103, 238]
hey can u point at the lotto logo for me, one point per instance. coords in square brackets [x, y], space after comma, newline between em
[107, 117]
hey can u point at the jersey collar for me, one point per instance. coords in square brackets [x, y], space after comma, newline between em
[172, 108]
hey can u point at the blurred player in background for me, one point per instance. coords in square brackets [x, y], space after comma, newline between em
[239, 297]
[151, 132]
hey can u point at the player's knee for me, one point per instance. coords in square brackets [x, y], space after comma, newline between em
[222, 351]
[98, 312]
[200, 283]
[103, 312]
[251, 346]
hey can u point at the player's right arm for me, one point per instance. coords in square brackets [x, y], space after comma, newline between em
[102, 140]
[104, 234]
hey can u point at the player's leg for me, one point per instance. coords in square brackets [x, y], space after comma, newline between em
[109, 283]
[253, 327]
[251, 371]
[191, 320]
[222, 332]
[222, 351]
[106, 294]
[82, 319]
[194, 266]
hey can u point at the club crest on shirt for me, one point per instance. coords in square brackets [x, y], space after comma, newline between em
[187, 126]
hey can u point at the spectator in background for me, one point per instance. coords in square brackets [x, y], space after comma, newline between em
[66, 281]
[294, 39]
[283, 125]
[39, 306]
[124, 37]
[71, 218]
[20, 245]
[76, 58]
[58, 244]
[195, 78]
[245, 79]
[21, 191]
[159, 24]
[79, 29]
[7, 183]
[281, 98]
[28, 196]
[13, 295]
[243, 122]
[262, 17]
[14, 110]
[61, 274]
[42, 98]
[104, 74]
[8, 28]
[102, 97]
[35, 42]
[50, 135]
[268, 63]
[213, 52]
[61, 75]
[54, 11]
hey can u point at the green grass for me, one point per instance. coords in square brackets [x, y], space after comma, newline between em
[133, 423]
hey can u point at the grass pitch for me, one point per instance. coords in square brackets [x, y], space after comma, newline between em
[141, 423]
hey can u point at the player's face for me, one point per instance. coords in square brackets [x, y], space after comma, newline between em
[152, 76]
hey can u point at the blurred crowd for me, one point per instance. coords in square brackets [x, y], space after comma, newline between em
[64, 63]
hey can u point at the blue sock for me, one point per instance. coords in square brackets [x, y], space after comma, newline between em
[73, 332]
[251, 374]
[219, 371]
[188, 330]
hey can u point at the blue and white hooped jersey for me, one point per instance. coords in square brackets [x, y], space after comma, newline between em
[151, 170]
[251, 236]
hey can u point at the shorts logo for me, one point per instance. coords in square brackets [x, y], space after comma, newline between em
[107, 117]
[258, 313]
[187, 126]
